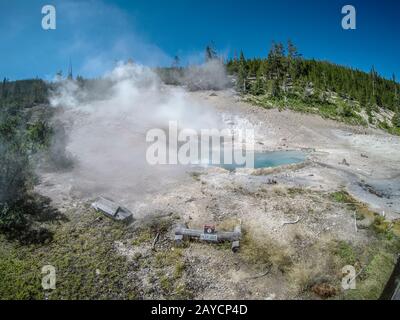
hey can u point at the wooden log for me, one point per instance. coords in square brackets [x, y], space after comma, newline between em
[291, 222]
[218, 236]
[181, 232]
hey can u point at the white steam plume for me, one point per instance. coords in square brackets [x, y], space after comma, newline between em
[106, 121]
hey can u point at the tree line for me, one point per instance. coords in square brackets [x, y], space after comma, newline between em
[21, 138]
[285, 72]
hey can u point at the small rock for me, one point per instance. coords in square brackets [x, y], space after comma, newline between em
[344, 162]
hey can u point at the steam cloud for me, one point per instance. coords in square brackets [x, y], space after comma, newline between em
[106, 121]
[209, 76]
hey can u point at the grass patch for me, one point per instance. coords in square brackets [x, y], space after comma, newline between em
[377, 258]
[166, 283]
[264, 253]
[396, 227]
[345, 252]
[361, 209]
[227, 224]
[336, 109]
[296, 191]
[168, 257]
[373, 261]
[377, 273]
[84, 255]
[142, 236]
[378, 223]
[172, 268]
[318, 271]
[301, 276]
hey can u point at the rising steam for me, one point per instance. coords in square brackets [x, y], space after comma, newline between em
[106, 121]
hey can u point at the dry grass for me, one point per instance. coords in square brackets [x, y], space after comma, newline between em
[353, 204]
[301, 276]
[265, 253]
[228, 224]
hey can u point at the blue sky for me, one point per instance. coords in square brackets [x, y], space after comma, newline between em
[95, 34]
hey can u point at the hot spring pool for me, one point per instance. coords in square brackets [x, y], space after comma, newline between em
[269, 159]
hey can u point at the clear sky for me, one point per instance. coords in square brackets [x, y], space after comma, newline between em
[95, 34]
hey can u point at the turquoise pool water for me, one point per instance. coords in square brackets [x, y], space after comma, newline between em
[271, 159]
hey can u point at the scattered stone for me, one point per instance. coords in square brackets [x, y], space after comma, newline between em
[344, 162]
[372, 190]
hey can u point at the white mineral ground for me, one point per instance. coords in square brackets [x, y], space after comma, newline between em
[218, 195]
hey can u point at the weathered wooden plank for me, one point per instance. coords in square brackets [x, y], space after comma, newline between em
[111, 209]
[107, 206]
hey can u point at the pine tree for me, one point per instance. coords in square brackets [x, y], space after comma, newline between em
[242, 74]
[396, 99]
[211, 53]
[292, 50]
[176, 62]
[276, 89]
[293, 59]
[373, 79]
[276, 61]
[4, 89]
[257, 86]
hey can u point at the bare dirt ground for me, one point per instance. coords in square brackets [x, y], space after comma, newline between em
[295, 252]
